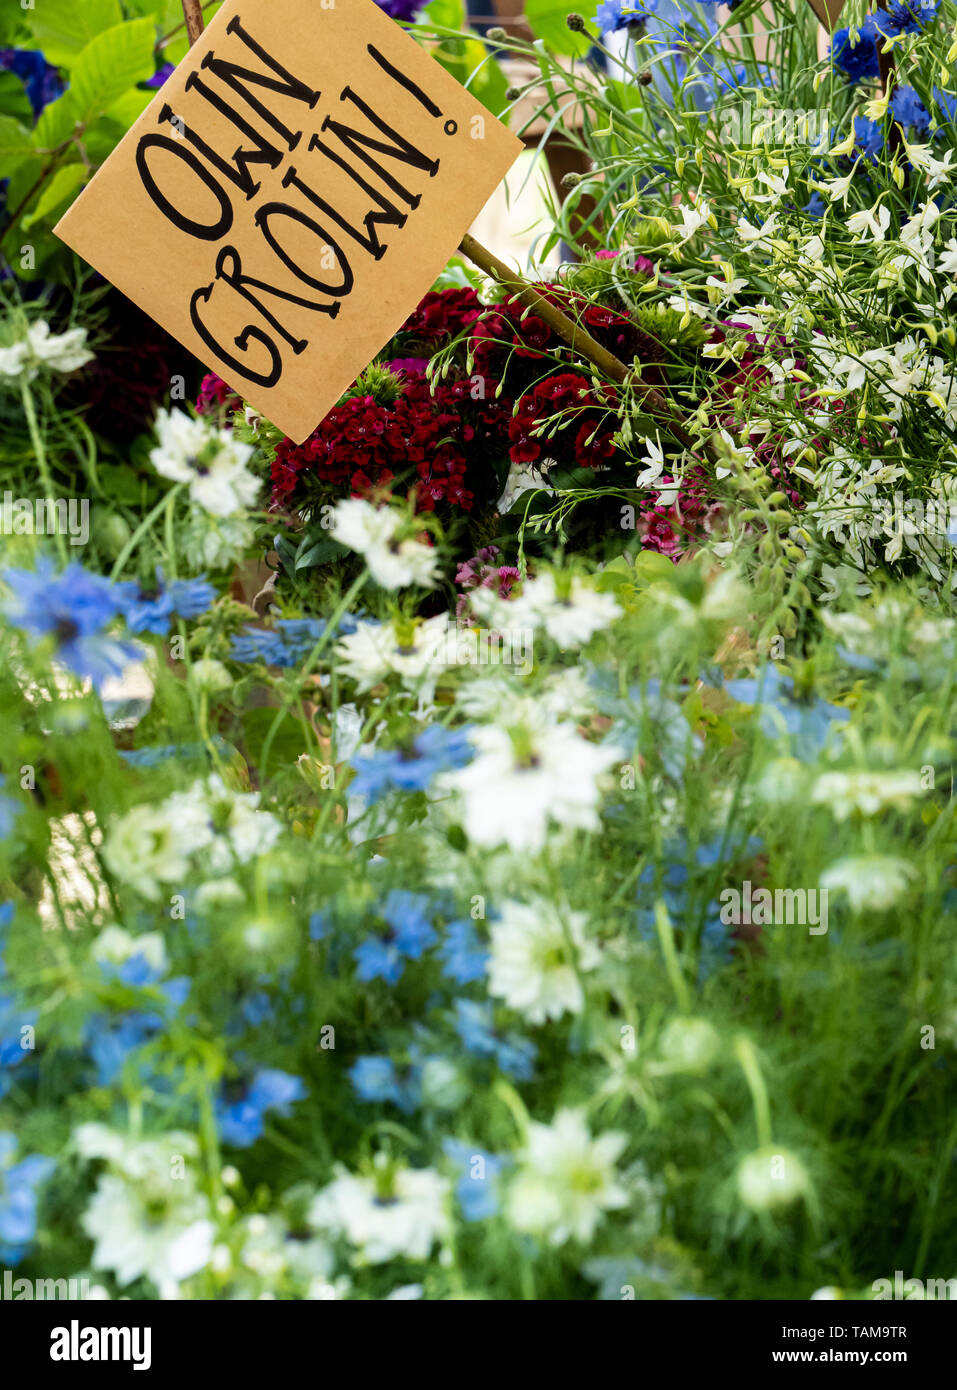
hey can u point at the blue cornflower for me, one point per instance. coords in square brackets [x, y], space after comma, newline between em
[436, 749]
[514, 1054]
[868, 137]
[287, 643]
[857, 60]
[618, 14]
[909, 110]
[18, 1198]
[808, 722]
[10, 808]
[241, 1121]
[907, 16]
[476, 1188]
[40, 78]
[75, 608]
[463, 956]
[151, 609]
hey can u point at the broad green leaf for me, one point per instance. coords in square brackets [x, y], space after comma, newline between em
[15, 145]
[14, 100]
[129, 108]
[59, 189]
[109, 65]
[547, 19]
[445, 14]
[56, 123]
[63, 28]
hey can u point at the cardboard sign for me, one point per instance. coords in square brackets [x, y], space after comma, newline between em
[828, 12]
[290, 195]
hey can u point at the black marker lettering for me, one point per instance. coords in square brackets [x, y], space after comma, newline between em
[242, 342]
[264, 153]
[235, 76]
[404, 81]
[286, 210]
[229, 269]
[390, 215]
[211, 231]
[358, 143]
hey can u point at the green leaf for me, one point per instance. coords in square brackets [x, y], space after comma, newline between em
[60, 189]
[445, 14]
[109, 65]
[547, 19]
[128, 109]
[55, 124]
[13, 99]
[15, 145]
[318, 552]
[63, 28]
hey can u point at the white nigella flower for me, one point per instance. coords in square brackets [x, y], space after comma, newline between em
[394, 1213]
[866, 792]
[146, 1217]
[231, 828]
[566, 607]
[209, 459]
[373, 532]
[115, 946]
[872, 882]
[215, 543]
[771, 1178]
[416, 652]
[567, 1180]
[526, 776]
[39, 348]
[147, 848]
[537, 954]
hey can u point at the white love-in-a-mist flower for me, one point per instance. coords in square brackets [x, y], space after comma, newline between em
[211, 460]
[38, 349]
[537, 956]
[872, 882]
[375, 533]
[567, 1180]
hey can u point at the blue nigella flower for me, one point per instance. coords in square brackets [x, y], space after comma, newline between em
[18, 1198]
[287, 643]
[476, 1188]
[111, 1040]
[474, 1024]
[155, 754]
[152, 609]
[463, 956]
[808, 722]
[410, 934]
[10, 808]
[376, 1079]
[13, 1020]
[241, 1121]
[435, 750]
[75, 608]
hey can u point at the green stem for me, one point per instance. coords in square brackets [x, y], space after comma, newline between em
[36, 439]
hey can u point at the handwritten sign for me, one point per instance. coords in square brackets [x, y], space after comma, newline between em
[291, 193]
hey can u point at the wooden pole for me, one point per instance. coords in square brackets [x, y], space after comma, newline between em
[193, 14]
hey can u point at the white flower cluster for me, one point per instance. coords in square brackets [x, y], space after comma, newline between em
[208, 829]
[374, 533]
[39, 349]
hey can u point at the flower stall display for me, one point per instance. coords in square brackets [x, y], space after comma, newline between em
[499, 845]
